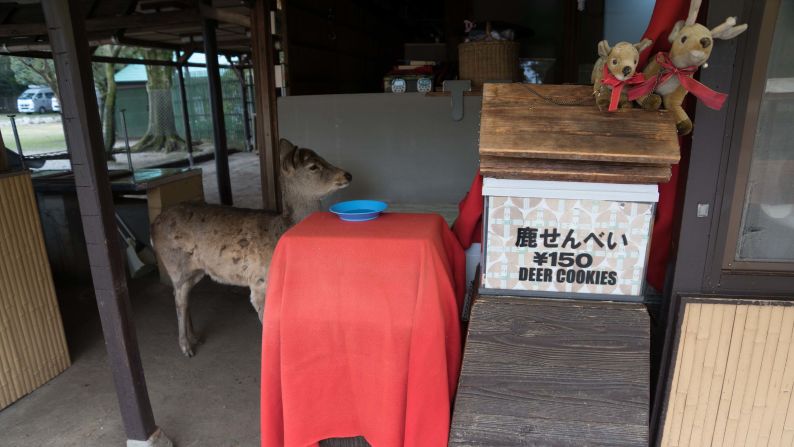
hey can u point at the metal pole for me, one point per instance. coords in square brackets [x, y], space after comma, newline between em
[16, 139]
[127, 143]
[185, 117]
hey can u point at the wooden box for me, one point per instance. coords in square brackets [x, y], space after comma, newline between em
[553, 373]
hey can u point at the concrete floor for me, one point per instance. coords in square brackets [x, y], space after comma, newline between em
[211, 399]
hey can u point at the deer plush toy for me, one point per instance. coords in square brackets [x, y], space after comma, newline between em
[669, 75]
[615, 69]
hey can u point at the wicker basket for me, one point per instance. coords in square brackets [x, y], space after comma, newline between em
[489, 60]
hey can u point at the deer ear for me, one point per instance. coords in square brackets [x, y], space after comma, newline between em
[286, 152]
[645, 43]
[603, 48]
[676, 29]
[729, 33]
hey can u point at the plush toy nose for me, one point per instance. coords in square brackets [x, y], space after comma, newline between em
[348, 176]
[705, 42]
[626, 70]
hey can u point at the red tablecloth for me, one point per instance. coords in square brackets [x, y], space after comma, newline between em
[361, 331]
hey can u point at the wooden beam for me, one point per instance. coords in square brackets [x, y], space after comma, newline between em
[224, 16]
[216, 107]
[67, 34]
[3, 155]
[5, 10]
[154, 21]
[131, 22]
[265, 103]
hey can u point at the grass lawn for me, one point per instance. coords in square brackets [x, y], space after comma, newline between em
[35, 138]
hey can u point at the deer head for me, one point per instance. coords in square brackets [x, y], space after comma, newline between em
[692, 42]
[621, 60]
[306, 178]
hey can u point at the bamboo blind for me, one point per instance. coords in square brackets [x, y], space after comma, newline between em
[733, 376]
[32, 345]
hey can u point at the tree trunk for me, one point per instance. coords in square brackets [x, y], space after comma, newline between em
[161, 133]
[109, 106]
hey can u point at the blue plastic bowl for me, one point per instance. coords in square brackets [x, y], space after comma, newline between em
[358, 210]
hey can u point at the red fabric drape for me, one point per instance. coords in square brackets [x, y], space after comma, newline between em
[665, 14]
[468, 226]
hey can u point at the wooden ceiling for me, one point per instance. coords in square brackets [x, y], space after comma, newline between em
[168, 24]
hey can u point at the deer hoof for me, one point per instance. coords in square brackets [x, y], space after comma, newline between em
[652, 102]
[684, 127]
[187, 349]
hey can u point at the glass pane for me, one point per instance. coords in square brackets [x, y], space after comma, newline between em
[767, 230]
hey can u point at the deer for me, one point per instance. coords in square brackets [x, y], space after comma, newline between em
[234, 246]
[691, 45]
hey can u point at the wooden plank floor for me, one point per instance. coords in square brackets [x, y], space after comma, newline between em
[553, 373]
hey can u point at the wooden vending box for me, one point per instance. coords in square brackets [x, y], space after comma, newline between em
[570, 192]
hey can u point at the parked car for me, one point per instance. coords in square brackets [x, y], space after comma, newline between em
[36, 99]
[56, 105]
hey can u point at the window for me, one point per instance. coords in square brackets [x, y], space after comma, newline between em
[766, 232]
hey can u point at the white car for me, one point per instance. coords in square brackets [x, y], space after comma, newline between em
[56, 105]
[36, 99]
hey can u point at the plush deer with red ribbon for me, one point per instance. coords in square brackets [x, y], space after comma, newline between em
[615, 71]
[669, 75]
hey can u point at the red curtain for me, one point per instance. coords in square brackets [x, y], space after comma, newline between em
[665, 14]
[468, 226]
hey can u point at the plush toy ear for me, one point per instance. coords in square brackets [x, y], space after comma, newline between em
[728, 29]
[286, 152]
[603, 48]
[676, 29]
[694, 8]
[645, 43]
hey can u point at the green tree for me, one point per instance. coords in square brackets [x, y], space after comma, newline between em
[161, 134]
[105, 80]
[8, 82]
[30, 70]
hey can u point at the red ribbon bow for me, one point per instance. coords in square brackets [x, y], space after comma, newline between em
[710, 98]
[617, 86]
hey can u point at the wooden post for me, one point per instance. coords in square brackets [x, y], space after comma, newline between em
[3, 155]
[66, 29]
[216, 105]
[265, 103]
[185, 116]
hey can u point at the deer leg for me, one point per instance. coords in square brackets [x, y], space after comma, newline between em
[191, 334]
[650, 102]
[603, 96]
[672, 102]
[258, 299]
[181, 298]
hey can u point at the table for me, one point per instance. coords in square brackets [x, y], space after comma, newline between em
[361, 331]
[163, 187]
